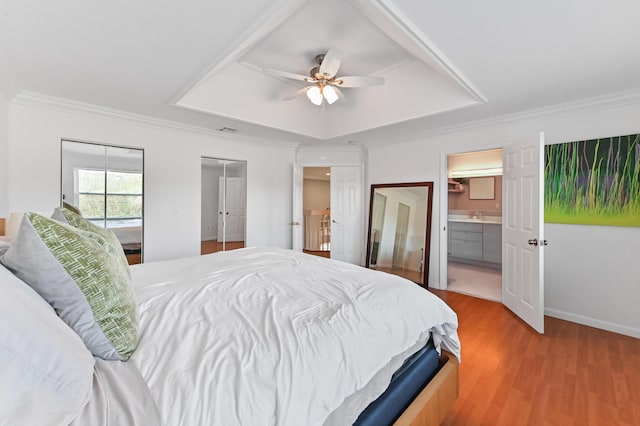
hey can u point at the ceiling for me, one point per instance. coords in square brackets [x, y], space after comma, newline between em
[201, 64]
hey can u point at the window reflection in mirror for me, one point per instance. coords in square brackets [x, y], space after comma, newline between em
[399, 229]
[106, 184]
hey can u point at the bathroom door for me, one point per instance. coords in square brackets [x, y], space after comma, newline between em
[522, 231]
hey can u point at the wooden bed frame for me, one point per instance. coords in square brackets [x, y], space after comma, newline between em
[431, 405]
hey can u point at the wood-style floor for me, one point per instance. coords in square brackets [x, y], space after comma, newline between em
[213, 246]
[511, 375]
[321, 253]
[414, 276]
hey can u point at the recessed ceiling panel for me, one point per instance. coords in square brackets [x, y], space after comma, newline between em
[375, 41]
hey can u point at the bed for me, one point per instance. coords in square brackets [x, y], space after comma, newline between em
[266, 336]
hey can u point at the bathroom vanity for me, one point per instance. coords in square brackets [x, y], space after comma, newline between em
[475, 240]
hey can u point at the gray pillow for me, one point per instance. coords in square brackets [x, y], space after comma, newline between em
[4, 246]
[85, 283]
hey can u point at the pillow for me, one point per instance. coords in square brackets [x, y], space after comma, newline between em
[46, 371]
[71, 207]
[86, 285]
[69, 216]
[5, 243]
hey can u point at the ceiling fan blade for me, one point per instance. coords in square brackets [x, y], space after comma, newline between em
[295, 94]
[331, 62]
[286, 74]
[353, 81]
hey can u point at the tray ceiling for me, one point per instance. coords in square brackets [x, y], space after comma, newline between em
[419, 80]
[199, 66]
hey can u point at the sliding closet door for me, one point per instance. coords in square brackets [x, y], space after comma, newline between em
[223, 204]
[106, 184]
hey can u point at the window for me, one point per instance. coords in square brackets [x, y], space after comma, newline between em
[120, 205]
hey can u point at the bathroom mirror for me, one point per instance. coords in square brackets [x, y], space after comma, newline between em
[399, 234]
[106, 184]
[482, 188]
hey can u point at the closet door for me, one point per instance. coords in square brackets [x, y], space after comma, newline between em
[106, 184]
[224, 198]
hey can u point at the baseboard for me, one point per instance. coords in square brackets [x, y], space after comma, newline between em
[592, 322]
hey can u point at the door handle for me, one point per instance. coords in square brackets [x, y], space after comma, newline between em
[544, 243]
[334, 221]
[295, 223]
[533, 242]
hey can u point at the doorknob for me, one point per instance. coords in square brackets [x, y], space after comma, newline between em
[334, 221]
[533, 242]
[544, 243]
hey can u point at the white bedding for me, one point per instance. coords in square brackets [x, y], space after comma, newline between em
[276, 337]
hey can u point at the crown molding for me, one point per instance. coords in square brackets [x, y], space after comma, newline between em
[38, 100]
[599, 103]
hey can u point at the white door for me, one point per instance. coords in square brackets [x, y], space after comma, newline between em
[402, 230]
[235, 200]
[346, 213]
[522, 231]
[296, 215]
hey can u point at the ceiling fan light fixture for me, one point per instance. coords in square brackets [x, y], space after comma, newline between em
[315, 95]
[330, 94]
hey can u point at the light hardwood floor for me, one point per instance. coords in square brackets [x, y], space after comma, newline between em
[213, 246]
[511, 375]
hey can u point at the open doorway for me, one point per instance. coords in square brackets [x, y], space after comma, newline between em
[474, 223]
[316, 205]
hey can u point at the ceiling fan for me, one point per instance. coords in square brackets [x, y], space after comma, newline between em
[325, 84]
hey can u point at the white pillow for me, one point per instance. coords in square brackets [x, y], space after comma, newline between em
[46, 371]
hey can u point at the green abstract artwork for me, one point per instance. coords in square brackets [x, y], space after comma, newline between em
[593, 182]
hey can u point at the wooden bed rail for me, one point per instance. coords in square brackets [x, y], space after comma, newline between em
[432, 405]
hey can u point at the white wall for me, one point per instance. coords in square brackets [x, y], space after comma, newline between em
[591, 272]
[317, 194]
[4, 156]
[172, 174]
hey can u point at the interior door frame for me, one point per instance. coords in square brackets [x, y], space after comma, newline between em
[444, 205]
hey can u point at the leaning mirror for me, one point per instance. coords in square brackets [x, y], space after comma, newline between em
[106, 184]
[399, 234]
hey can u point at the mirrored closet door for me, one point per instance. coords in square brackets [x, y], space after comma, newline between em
[224, 199]
[106, 184]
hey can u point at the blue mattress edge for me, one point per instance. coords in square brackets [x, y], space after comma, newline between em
[406, 384]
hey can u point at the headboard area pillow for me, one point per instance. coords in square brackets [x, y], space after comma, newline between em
[4, 245]
[46, 371]
[85, 283]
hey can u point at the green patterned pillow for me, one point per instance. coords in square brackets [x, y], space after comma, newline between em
[73, 218]
[86, 285]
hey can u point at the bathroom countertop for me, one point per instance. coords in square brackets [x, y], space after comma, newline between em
[492, 220]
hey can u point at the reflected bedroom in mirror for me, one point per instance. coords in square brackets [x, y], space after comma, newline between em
[399, 235]
[105, 183]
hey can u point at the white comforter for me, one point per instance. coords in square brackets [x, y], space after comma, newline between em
[276, 337]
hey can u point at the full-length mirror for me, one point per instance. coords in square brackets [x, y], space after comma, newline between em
[400, 229]
[106, 184]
